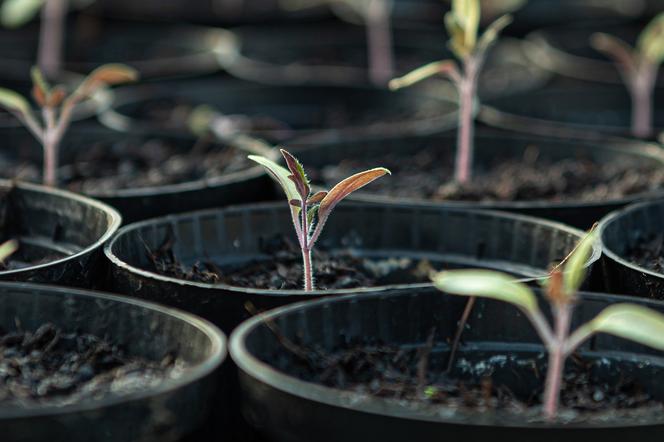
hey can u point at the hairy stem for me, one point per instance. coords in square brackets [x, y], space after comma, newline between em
[308, 271]
[464, 153]
[556, 365]
[51, 37]
[641, 92]
[306, 248]
[379, 41]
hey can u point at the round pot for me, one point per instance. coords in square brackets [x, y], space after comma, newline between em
[164, 412]
[622, 232]
[245, 182]
[281, 113]
[155, 50]
[516, 244]
[286, 406]
[577, 112]
[337, 54]
[488, 146]
[566, 51]
[60, 235]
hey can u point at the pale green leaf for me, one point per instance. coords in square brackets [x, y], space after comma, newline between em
[456, 34]
[492, 32]
[14, 101]
[651, 41]
[575, 270]
[445, 67]
[467, 14]
[7, 249]
[633, 322]
[16, 13]
[280, 175]
[487, 284]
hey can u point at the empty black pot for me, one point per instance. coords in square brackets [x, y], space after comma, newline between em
[165, 412]
[446, 237]
[281, 113]
[489, 145]
[622, 232]
[498, 343]
[60, 234]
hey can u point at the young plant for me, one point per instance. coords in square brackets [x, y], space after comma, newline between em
[7, 248]
[16, 13]
[57, 107]
[376, 15]
[311, 211]
[462, 24]
[628, 321]
[638, 67]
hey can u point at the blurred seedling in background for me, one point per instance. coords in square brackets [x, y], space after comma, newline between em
[471, 49]
[310, 211]
[628, 321]
[56, 107]
[7, 249]
[376, 16]
[50, 54]
[638, 67]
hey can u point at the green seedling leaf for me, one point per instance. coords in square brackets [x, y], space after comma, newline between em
[7, 249]
[311, 214]
[200, 119]
[614, 48]
[492, 32]
[280, 175]
[298, 176]
[14, 101]
[445, 67]
[575, 269]
[16, 13]
[348, 186]
[651, 41]
[467, 14]
[39, 81]
[633, 322]
[487, 284]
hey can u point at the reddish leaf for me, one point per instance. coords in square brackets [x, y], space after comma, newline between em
[348, 186]
[317, 197]
[299, 177]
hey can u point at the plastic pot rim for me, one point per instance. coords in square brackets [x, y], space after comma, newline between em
[609, 253]
[114, 217]
[265, 373]
[170, 219]
[219, 350]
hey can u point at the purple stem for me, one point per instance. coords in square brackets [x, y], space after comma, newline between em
[51, 37]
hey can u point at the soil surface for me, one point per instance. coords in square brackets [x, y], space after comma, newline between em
[419, 376]
[282, 268]
[425, 175]
[105, 166]
[50, 366]
[648, 252]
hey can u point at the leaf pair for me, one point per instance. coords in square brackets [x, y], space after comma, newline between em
[462, 24]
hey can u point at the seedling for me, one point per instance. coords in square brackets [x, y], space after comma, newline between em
[638, 67]
[57, 107]
[310, 211]
[462, 24]
[16, 13]
[376, 15]
[7, 248]
[628, 321]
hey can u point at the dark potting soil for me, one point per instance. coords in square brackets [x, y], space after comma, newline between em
[281, 269]
[507, 384]
[425, 175]
[105, 166]
[648, 252]
[51, 366]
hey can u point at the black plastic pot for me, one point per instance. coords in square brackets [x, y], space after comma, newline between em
[137, 203]
[446, 237]
[59, 232]
[586, 112]
[164, 413]
[488, 146]
[337, 54]
[155, 50]
[280, 113]
[284, 407]
[566, 51]
[619, 232]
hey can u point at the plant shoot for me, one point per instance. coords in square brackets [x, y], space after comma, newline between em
[462, 24]
[310, 211]
[628, 321]
[56, 108]
[638, 67]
